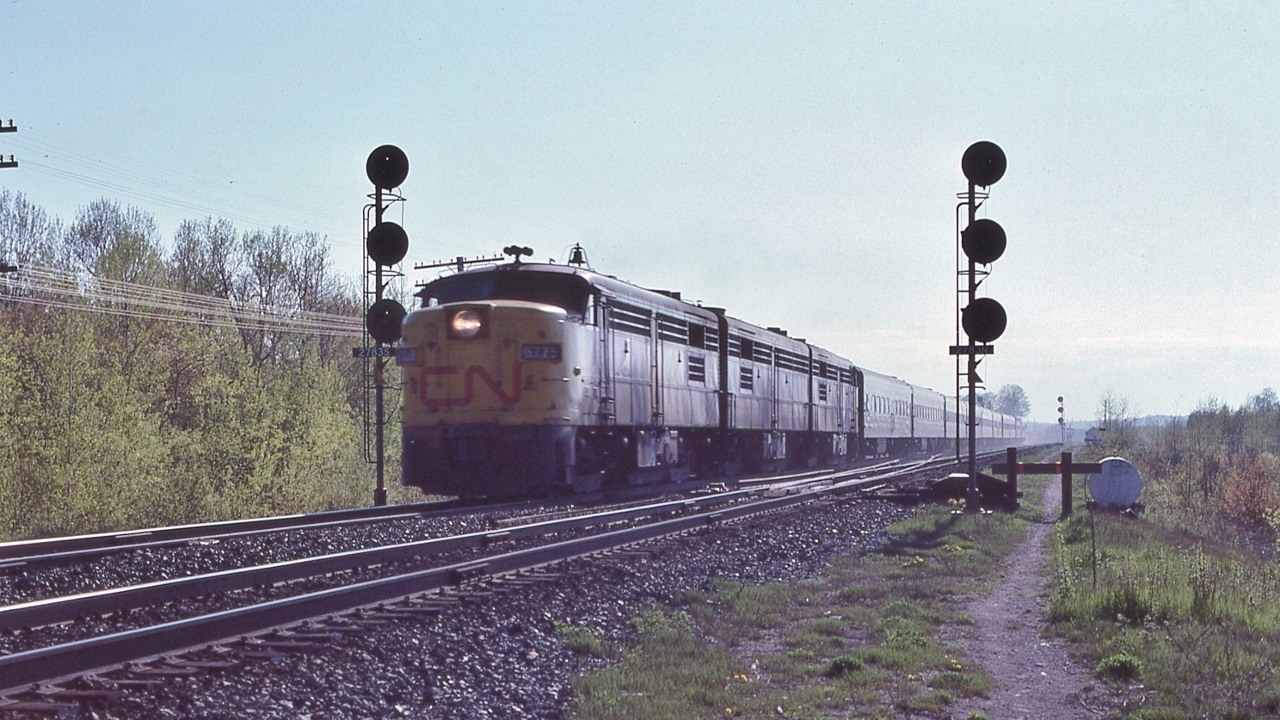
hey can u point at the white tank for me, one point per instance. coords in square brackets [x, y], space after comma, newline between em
[1117, 486]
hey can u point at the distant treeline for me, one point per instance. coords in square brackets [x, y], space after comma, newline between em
[122, 408]
[1219, 463]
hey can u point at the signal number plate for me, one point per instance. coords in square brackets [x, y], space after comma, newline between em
[540, 352]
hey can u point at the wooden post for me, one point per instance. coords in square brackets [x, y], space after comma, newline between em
[1011, 459]
[1066, 484]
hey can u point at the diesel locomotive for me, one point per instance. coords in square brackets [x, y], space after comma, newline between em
[523, 379]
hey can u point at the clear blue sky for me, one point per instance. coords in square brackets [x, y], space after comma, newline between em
[795, 162]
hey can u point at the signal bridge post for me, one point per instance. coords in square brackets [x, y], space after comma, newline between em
[385, 246]
[983, 319]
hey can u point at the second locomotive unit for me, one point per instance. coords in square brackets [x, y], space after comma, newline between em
[527, 378]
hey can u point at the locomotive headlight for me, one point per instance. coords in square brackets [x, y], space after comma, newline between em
[467, 324]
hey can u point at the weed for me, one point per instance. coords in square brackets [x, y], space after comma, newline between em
[1119, 667]
[965, 684]
[581, 640]
[859, 641]
[1159, 714]
[843, 665]
[827, 626]
[978, 715]
[901, 633]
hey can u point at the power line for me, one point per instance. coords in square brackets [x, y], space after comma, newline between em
[91, 155]
[51, 287]
[96, 168]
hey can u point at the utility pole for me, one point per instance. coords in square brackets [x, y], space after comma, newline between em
[10, 163]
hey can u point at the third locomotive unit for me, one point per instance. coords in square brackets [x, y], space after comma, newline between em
[527, 378]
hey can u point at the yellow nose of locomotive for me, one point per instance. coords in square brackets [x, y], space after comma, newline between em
[507, 363]
[492, 392]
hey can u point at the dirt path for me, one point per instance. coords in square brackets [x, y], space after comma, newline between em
[1034, 678]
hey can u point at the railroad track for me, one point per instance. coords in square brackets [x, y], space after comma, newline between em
[72, 549]
[80, 548]
[275, 624]
[69, 550]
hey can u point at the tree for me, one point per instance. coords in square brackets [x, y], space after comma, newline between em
[1116, 419]
[1012, 400]
[27, 233]
[115, 243]
[1265, 401]
[206, 258]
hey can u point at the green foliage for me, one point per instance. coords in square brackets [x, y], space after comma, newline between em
[115, 421]
[1197, 620]
[1012, 400]
[843, 665]
[1120, 667]
[860, 641]
[671, 674]
[581, 640]
[965, 684]
[1159, 714]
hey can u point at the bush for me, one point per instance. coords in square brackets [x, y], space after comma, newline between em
[843, 665]
[1119, 667]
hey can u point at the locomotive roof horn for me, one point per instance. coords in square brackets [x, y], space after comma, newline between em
[517, 252]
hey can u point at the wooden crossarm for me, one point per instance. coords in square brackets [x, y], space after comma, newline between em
[1049, 468]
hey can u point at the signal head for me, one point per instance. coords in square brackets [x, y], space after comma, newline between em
[387, 167]
[983, 163]
[984, 320]
[983, 241]
[387, 243]
[383, 319]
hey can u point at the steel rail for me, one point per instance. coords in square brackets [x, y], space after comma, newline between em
[19, 671]
[75, 548]
[113, 541]
[49, 611]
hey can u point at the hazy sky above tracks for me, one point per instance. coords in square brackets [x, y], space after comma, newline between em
[797, 163]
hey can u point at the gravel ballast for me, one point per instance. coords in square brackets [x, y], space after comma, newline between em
[500, 656]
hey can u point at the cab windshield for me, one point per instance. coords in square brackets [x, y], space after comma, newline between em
[570, 292]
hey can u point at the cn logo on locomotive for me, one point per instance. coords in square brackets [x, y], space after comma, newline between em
[473, 372]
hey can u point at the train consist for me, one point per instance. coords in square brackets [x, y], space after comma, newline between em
[526, 378]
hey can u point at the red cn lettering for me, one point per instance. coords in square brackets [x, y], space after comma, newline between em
[470, 388]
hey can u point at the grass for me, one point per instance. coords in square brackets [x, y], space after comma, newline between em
[581, 640]
[861, 641]
[1195, 622]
